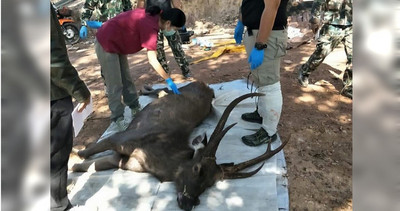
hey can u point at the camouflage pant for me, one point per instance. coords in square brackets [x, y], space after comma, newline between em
[175, 43]
[330, 37]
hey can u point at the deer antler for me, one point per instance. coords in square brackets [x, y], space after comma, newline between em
[216, 136]
[239, 175]
[232, 171]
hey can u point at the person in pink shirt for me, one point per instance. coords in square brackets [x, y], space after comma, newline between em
[128, 33]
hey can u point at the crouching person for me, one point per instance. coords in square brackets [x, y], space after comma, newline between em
[128, 33]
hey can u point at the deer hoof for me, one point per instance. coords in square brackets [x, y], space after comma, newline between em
[82, 154]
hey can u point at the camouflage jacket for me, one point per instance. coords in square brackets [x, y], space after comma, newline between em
[106, 9]
[337, 12]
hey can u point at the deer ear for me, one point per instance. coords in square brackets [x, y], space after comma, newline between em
[197, 201]
[196, 169]
[197, 140]
[200, 139]
[204, 140]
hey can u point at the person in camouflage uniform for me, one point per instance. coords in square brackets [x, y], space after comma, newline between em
[336, 17]
[174, 40]
[107, 9]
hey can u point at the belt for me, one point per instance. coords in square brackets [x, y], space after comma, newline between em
[341, 26]
[250, 30]
[279, 27]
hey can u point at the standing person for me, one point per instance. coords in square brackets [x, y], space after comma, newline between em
[65, 83]
[173, 37]
[265, 41]
[128, 33]
[337, 26]
[107, 8]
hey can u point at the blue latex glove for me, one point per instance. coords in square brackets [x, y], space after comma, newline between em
[83, 32]
[256, 58]
[184, 28]
[172, 85]
[239, 32]
[94, 24]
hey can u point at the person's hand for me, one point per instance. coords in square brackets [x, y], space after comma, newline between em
[94, 24]
[172, 85]
[83, 32]
[239, 32]
[256, 58]
[83, 105]
[315, 23]
[314, 27]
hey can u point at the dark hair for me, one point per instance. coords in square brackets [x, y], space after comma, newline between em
[176, 16]
[153, 10]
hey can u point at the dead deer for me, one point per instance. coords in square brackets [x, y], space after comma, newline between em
[156, 142]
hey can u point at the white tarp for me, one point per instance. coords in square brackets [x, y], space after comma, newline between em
[125, 190]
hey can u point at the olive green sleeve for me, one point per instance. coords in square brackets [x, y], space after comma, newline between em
[63, 76]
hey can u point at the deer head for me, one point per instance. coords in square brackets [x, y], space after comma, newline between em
[200, 173]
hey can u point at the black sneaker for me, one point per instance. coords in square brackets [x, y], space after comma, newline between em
[303, 79]
[187, 75]
[252, 117]
[260, 137]
[347, 92]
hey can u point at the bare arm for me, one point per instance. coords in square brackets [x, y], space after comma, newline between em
[240, 13]
[177, 4]
[152, 56]
[267, 19]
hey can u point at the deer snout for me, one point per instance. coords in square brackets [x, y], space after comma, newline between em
[186, 202]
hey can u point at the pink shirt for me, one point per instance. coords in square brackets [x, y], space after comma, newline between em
[129, 32]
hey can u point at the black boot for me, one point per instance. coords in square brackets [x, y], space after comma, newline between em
[303, 79]
[260, 137]
[347, 92]
[252, 117]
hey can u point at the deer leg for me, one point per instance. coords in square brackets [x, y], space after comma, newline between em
[98, 164]
[125, 149]
[131, 163]
[107, 144]
[119, 142]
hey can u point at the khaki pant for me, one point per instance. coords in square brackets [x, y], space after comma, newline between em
[269, 71]
[267, 78]
[115, 69]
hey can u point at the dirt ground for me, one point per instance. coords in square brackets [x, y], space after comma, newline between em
[316, 120]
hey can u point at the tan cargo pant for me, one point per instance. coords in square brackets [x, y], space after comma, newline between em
[267, 78]
[269, 71]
